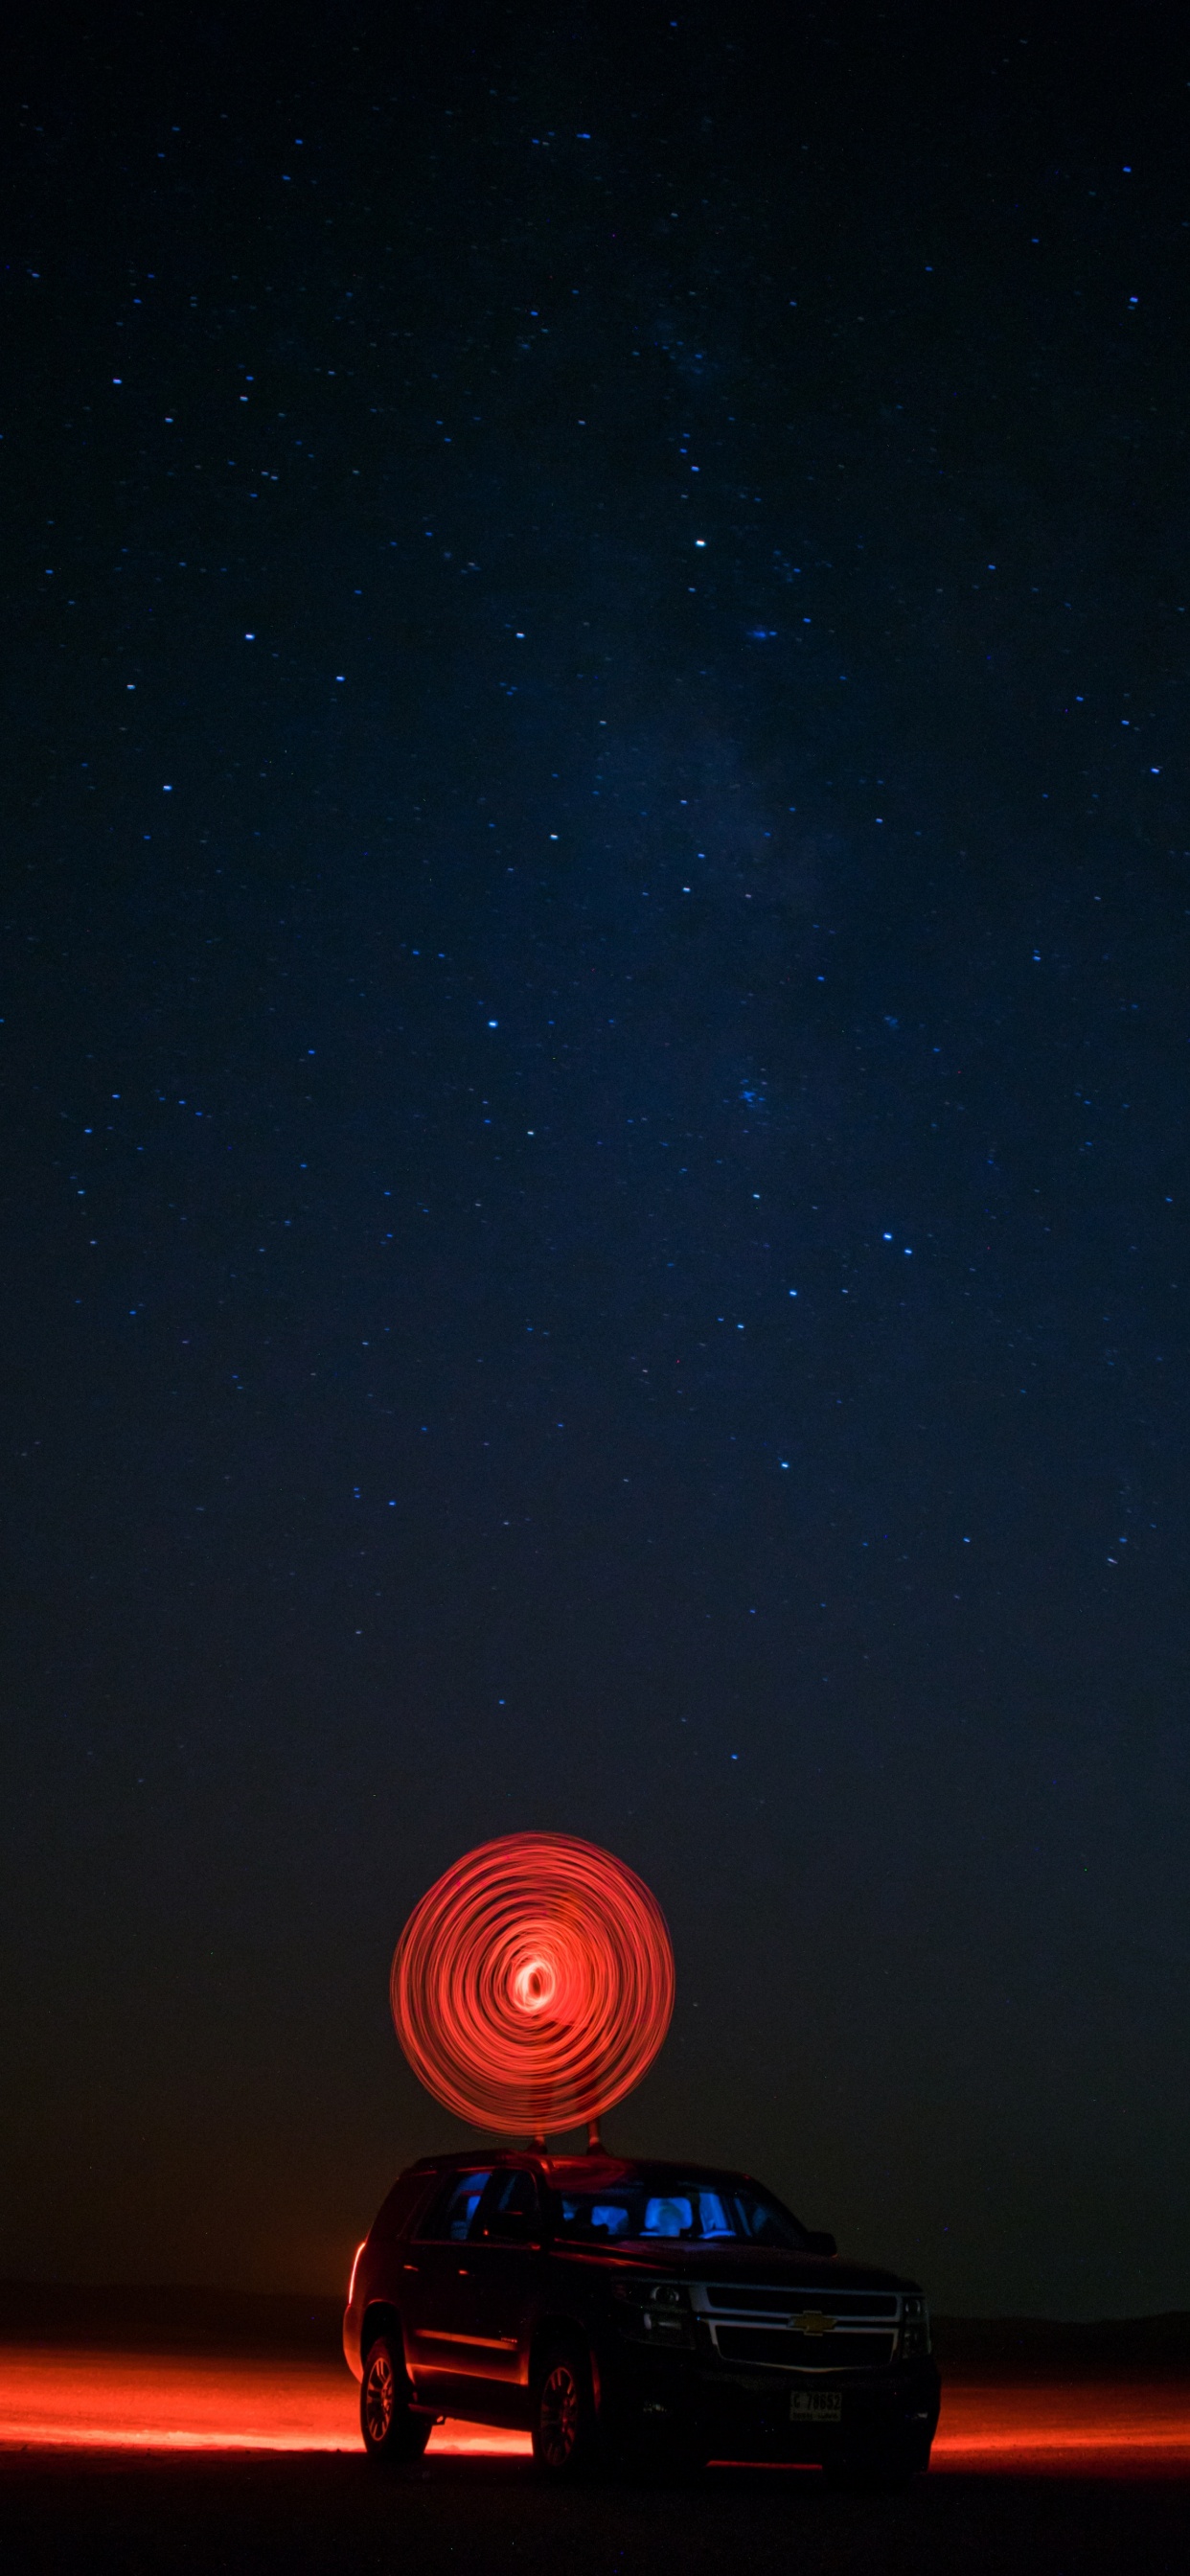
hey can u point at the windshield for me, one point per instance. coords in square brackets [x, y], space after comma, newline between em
[650, 2208]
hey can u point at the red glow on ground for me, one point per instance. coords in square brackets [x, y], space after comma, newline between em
[171, 2402]
[534, 1984]
[1124, 2429]
[147, 2401]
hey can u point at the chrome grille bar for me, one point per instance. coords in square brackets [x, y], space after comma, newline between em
[792, 2329]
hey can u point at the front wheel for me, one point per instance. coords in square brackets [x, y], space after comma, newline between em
[390, 2428]
[565, 2440]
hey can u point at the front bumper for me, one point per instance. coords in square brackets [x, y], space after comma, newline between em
[746, 2414]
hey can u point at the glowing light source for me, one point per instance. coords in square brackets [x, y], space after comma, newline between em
[533, 1985]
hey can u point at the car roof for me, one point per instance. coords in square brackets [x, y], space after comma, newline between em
[598, 2168]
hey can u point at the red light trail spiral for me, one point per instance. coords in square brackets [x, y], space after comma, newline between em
[533, 1985]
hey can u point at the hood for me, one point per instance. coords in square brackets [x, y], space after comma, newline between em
[822, 2273]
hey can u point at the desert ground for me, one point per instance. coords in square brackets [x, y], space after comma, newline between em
[143, 2431]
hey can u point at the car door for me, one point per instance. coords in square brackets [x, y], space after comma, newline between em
[506, 2260]
[435, 2284]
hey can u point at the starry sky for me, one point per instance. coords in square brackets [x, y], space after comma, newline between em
[595, 1046]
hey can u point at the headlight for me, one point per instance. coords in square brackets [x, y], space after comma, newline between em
[915, 2328]
[658, 2311]
[652, 2294]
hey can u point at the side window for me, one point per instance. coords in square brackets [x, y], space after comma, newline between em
[610, 2217]
[452, 2209]
[511, 2209]
[594, 2222]
[402, 2205]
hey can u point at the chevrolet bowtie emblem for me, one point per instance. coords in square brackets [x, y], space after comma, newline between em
[813, 2322]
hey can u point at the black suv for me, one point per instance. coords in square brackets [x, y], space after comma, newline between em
[612, 2308]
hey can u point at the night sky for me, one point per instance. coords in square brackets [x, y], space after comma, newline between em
[595, 1049]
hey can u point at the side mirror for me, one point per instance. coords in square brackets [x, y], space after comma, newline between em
[820, 2241]
[512, 2227]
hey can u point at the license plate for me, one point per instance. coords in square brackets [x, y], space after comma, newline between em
[816, 2406]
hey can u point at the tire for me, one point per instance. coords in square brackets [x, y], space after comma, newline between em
[565, 2433]
[391, 2430]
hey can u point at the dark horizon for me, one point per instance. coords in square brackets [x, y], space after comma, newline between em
[595, 1059]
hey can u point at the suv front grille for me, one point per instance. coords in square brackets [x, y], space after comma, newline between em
[782, 2348]
[782, 2304]
[789, 2329]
